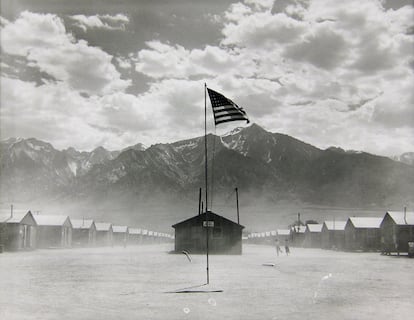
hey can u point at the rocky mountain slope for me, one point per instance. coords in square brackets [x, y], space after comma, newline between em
[407, 158]
[267, 167]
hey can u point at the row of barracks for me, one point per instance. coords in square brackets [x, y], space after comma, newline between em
[23, 230]
[390, 233]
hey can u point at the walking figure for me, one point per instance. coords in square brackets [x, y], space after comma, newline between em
[287, 250]
[277, 244]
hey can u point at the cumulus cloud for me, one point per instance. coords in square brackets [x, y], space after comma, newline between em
[342, 59]
[43, 40]
[108, 22]
[260, 29]
[162, 60]
[324, 49]
[123, 63]
[326, 72]
[170, 110]
[36, 111]
[75, 120]
[394, 108]
[3, 21]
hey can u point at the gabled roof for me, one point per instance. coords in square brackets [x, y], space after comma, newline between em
[6, 213]
[134, 231]
[398, 217]
[103, 226]
[81, 223]
[336, 225]
[19, 217]
[366, 222]
[283, 232]
[4, 217]
[314, 227]
[211, 215]
[120, 229]
[51, 220]
[144, 232]
[299, 229]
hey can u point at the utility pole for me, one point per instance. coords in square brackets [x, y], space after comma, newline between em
[237, 203]
[199, 202]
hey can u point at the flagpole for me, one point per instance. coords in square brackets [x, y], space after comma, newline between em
[205, 142]
[206, 177]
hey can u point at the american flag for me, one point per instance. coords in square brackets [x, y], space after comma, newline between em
[224, 109]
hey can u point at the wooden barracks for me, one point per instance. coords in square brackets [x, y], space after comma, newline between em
[225, 236]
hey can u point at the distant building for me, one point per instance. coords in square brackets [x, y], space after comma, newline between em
[225, 236]
[268, 238]
[253, 237]
[262, 238]
[363, 233]
[283, 234]
[298, 235]
[134, 236]
[120, 235]
[104, 234]
[83, 232]
[397, 229]
[17, 231]
[53, 231]
[157, 237]
[333, 234]
[150, 236]
[313, 236]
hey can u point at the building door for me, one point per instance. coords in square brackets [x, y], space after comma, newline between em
[26, 236]
[64, 237]
[403, 238]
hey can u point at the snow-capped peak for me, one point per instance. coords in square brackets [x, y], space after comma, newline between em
[233, 132]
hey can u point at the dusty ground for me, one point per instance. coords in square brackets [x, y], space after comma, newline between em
[134, 283]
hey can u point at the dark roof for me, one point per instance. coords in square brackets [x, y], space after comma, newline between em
[202, 216]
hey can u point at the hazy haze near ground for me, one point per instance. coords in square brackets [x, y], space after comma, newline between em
[118, 283]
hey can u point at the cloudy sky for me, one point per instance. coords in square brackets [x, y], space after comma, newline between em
[116, 73]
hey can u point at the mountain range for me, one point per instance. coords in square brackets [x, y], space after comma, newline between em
[407, 157]
[160, 184]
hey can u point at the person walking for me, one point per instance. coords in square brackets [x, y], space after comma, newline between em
[277, 245]
[287, 250]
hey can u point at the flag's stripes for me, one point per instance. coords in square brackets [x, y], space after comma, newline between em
[224, 109]
[229, 118]
[226, 113]
[227, 109]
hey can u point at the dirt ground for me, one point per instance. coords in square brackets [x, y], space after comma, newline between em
[139, 283]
